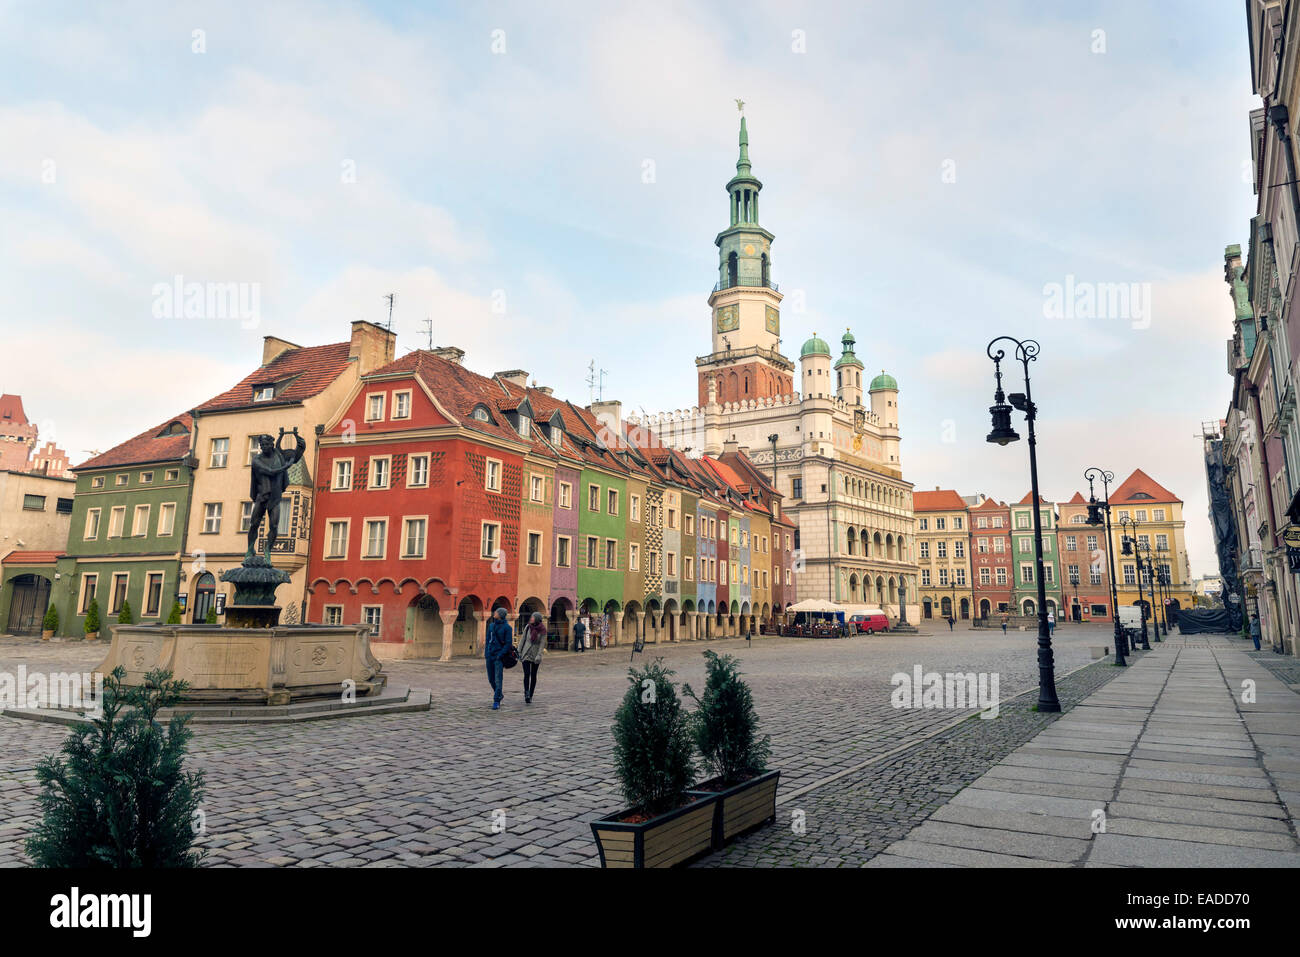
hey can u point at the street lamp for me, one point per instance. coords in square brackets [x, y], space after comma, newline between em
[1074, 580]
[1151, 587]
[1002, 434]
[1131, 548]
[1095, 512]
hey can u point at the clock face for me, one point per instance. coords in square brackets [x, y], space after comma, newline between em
[773, 321]
[749, 250]
[728, 317]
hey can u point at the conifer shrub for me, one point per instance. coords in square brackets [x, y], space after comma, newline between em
[117, 795]
[92, 617]
[51, 620]
[652, 742]
[174, 616]
[211, 617]
[725, 725]
[124, 616]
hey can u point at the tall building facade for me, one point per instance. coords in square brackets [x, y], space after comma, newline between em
[991, 559]
[824, 431]
[943, 554]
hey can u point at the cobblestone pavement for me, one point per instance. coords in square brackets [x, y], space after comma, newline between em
[1282, 667]
[422, 788]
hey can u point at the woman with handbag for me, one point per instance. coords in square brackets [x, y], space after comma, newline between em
[530, 653]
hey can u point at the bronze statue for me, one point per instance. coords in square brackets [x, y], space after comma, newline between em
[270, 476]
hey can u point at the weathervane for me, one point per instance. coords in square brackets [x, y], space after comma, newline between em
[740, 105]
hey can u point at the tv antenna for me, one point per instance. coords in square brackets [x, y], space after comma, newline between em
[428, 329]
[391, 297]
[595, 381]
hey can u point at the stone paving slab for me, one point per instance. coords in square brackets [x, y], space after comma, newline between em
[1206, 818]
[1157, 852]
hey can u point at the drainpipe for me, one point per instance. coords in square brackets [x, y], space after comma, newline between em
[189, 504]
[1268, 486]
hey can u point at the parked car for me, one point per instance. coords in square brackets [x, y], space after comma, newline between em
[870, 624]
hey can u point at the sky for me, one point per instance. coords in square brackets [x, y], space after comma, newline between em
[544, 183]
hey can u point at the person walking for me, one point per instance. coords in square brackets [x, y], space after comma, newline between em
[951, 622]
[530, 653]
[580, 635]
[1004, 623]
[1051, 623]
[1254, 630]
[499, 641]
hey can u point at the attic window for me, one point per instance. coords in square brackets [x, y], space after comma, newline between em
[263, 393]
[174, 428]
[525, 426]
[481, 414]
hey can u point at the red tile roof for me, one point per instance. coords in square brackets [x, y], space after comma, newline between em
[1029, 498]
[1140, 482]
[940, 500]
[1077, 500]
[30, 558]
[154, 445]
[988, 503]
[309, 371]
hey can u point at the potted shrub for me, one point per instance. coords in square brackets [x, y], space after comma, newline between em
[174, 616]
[91, 625]
[211, 617]
[124, 616]
[663, 825]
[50, 624]
[725, 728]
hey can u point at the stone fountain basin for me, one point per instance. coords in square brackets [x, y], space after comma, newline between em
[271, 665]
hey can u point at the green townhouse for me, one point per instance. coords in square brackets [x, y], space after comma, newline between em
[1025, 595]
[129, 516]
[602, 530]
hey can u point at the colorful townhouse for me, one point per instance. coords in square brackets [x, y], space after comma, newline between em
[1158, 514]
[1025, 591]
[128, 521]
[1085, 582]
[992, 563]
[941, 539]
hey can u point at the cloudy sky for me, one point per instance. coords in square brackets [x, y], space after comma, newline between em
[544, 183]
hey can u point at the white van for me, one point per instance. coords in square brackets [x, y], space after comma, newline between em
[1130, 616]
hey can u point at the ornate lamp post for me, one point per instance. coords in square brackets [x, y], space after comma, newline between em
[1095, 512]
[1074, 580]
[1131, 548]
[1151, 588]
[1002, 434]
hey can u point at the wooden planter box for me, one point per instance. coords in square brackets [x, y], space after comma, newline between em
[743, 807]
[665, 841]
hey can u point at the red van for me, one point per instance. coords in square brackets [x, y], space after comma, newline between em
[870, 623]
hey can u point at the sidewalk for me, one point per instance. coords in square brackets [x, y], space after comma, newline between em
[1181, 772]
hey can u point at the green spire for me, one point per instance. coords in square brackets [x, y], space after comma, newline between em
[742, 164]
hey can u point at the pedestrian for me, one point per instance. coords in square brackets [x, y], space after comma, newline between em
[530, 653]
[1004, 623]
[951, 621]
[1254, 630]
[1051, 624]
[580, 635]
[499, 641]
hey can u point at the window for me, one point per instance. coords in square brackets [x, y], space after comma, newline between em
[166, 518]
[1123, 514]
[612, 500]
[492, 476]
[211, 518]
[961, 575]
[1022, 520]
[1027, 574]
[634, 557]
[372, 615]
[997, 521]
[611, 553]
[925, 549]
[634, 508]
[88, 584]
[733, 573]
[787, 576]
[1073, 572]
[140, 521]
[670, 565]
[984, 576]
[97, 482]
[245, 516]
[593, 498]
[146, 478]
[342, 475]
[1162, 543]
[1047, 545]
[413, 537]
[1069, 543]
[380, 469]
[982, 546]
[956, 522]
[374, 407]
[489, 538]
[338, 540]
[941, 549]
[923, 524]
[981, 522]
[1025, 544]
[402, 405]
[220, 452]
[1158, 515]
[376, 537]
[566, 495]
[1144, 542]
[171, 475]
[1130, 576]
[940, 524]
[1098, 611]
[652, 561]
[592, 545]
[735, 536]
[925, 577]
[92, 525]
[690, 524]
[943, 576]
[153, 594]
[121, 479]
[999, 546]
[536, 487]
[118, 595]
[115, 519]
[672, 518]
[959, 548]
[333, 615]
[563, 545]
[1092, 544]
[1094, 575]
[1000, 575]
[1142, 515]
[534, 548]
[263, 393]
[1047, 574]
[417, 471]
[525, 426]
[689, 567]
[796, 488]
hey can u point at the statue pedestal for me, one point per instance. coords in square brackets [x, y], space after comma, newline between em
[252, 616]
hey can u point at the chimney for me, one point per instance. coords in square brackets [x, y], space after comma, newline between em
[273, 348]
[450, 353]
[730, 447]
[372, 346]
[610, 416]
[515, 377]
[544, 389]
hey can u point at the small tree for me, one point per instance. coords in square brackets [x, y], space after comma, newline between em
[118, 796]
[124, 616]
[174, 616]
[51, 620]
[725, 725]
[652, 741]
[92, 617]
[211, 617]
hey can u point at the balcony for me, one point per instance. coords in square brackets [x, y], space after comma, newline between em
[718, 286]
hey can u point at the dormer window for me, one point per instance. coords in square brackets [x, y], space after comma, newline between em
[481, 414]
[525, 426]
[263, 393]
